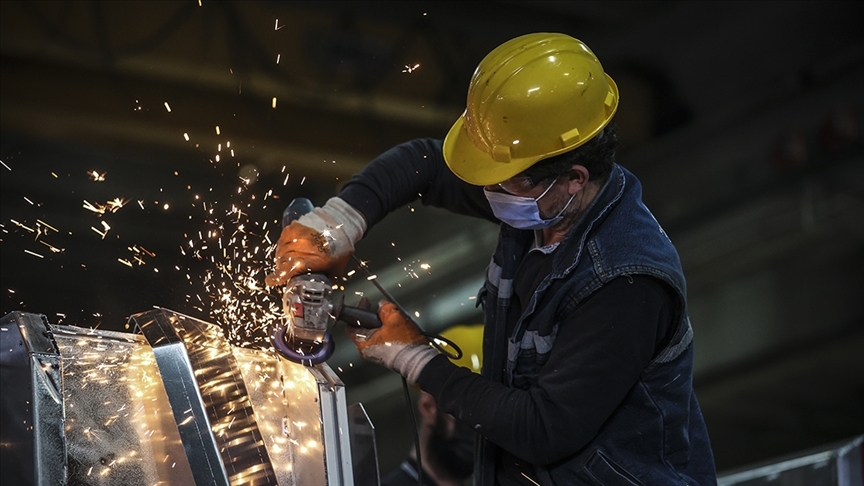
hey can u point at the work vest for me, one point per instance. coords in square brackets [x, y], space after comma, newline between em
[657, 435]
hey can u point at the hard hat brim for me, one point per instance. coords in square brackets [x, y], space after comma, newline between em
[475, 166]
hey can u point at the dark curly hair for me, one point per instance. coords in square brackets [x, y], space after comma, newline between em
[597, 155]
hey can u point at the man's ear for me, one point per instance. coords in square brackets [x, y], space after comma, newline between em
[577, 178]
[428, 408]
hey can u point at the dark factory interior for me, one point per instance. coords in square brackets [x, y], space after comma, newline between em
[149, 148]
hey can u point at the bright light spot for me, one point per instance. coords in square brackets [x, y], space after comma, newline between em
[274, 102]
[167, 107]
[186, 136]
[217, 130]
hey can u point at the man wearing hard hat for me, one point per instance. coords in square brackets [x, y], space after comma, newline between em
[588, 353]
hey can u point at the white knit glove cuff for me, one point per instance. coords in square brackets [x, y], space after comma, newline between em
[340, 223]
[407, 360]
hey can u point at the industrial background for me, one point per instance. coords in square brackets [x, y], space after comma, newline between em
[148, 149]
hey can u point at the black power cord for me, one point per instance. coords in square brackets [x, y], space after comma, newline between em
[435, 340]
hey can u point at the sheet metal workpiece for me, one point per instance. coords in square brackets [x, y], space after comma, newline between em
[208, 398]
[31, 423]
[175, 404]
[119, 426]
[246, 416]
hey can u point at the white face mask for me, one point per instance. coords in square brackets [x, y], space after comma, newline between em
[522, 212]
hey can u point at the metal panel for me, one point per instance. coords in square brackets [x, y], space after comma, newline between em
[208, 398]
[119, 426]
[334, 415]
[31, 419]
[364, 455]
[175, 405]
[286, 402]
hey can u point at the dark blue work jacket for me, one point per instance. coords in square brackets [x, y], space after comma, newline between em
[657, 435]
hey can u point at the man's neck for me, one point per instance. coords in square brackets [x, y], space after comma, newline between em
[557, 233]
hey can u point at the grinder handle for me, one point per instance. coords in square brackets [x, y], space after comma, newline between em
[355, 316]
[298, 207]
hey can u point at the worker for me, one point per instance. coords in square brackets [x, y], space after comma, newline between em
[588, 348]
[446, 444]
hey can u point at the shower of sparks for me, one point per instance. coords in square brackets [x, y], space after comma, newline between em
[237, 245]
[230, 238]
[410, 69]
[410, 269]
[139, 253]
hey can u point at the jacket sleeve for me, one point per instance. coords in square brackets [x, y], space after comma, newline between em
[409, 171]
[599, 353]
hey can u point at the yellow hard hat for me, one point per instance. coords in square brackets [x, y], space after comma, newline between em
[469, 338]
[533, 97]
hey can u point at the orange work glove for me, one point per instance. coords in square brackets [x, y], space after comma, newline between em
[301, 250]
[398, 344]
[321, 241]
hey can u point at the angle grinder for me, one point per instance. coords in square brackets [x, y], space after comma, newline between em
[307, 302]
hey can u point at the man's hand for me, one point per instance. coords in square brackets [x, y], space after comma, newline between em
[398, 344]
[321, 241]
[301, 250]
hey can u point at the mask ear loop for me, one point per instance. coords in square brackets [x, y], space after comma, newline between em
[547, 189]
